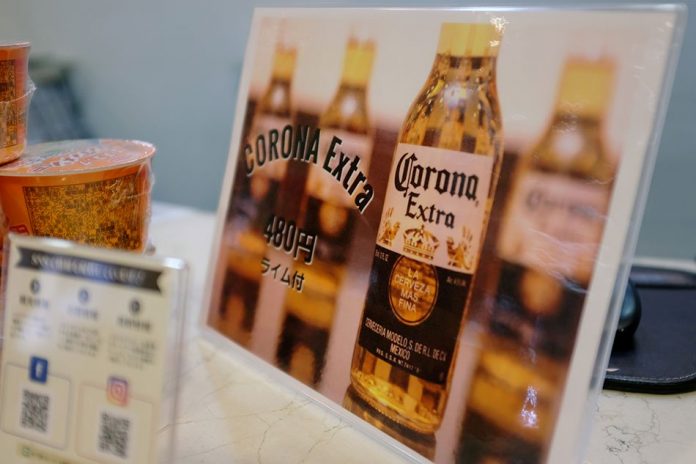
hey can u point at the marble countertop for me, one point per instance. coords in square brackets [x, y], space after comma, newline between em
[230, 412]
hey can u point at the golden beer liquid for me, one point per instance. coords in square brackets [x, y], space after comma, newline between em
[457, 110]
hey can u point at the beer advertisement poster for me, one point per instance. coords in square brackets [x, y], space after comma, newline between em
[427, 213]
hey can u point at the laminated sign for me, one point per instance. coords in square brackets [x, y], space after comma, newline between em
[89, 338]
[423, 209]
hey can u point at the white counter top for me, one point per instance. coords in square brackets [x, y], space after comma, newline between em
[231, 413]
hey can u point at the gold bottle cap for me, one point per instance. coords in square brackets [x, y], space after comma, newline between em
[469, 39]
[284, 62]
[586, 86]
[357, 64]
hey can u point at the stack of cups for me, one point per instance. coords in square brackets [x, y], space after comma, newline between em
[16, 90]
[95, 192]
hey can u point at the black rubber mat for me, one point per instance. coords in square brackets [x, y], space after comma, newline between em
[661, 355]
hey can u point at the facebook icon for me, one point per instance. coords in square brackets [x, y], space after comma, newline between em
[38, 369]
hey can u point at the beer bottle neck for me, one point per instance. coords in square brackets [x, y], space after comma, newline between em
[284, 63]
[469, 40]
[585, 89]
[357, 64]
[476, 70]
[276, 98]
[348, 108]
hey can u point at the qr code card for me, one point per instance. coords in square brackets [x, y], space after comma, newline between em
[89, 338]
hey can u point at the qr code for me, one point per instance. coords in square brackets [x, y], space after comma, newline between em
[114, 434]
[35, 409]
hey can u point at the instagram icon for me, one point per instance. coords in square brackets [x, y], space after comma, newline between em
[117, 391]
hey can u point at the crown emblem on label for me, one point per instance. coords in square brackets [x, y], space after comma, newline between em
[420, 242]
[460, 255]
[389, 230]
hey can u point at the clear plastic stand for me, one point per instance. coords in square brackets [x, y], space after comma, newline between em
[90, 354]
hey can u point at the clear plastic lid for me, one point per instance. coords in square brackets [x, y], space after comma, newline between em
[78, 156]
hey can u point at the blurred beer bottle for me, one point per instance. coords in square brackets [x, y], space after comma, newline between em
[254, 200]
[328, 210]
[548, 242]
[440, 191]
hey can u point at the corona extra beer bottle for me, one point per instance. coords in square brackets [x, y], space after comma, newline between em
[551, 230]
[254, 199]
[329, 211]
[440, 191]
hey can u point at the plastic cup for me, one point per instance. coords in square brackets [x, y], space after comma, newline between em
[95, 192]
[16, 90]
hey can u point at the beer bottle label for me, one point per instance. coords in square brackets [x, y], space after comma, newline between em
[554, 224]
[427, 251]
